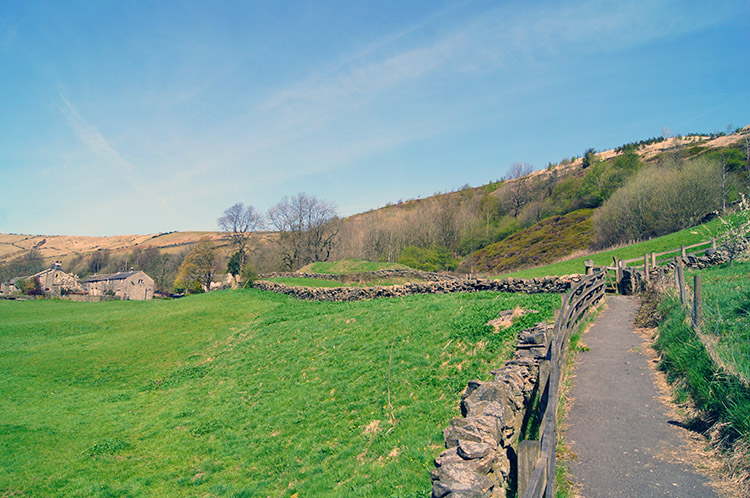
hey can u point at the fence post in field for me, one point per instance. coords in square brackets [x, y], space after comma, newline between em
[683, 252]
[697, 301]
[681, 282]
[528, 454]
[645, 267]
[713, 244]
[589, 265]
[653, 260]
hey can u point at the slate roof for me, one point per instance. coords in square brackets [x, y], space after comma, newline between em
[110, 276]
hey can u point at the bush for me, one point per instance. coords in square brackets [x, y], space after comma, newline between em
[248, 276]
[658, 201]
[433, 258]
[32, 287]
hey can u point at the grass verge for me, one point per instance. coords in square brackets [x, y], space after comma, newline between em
[721, 399]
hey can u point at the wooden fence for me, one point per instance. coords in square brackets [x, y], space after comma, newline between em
[653, 260]
[536, 459]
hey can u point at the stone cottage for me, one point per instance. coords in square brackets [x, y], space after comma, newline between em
[54, 281]
[124, 285]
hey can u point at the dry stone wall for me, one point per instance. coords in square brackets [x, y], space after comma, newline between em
[557, 285]
[367, 276]
[480, 455]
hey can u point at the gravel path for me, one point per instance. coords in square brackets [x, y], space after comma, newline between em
[625, 443]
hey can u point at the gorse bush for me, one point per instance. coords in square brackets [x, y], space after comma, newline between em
[659, 200]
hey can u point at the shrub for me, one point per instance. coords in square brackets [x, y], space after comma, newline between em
[248, 276]
[659, 200]
[32, 287]
[433, 258]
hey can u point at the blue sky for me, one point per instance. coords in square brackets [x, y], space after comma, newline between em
[144, 117]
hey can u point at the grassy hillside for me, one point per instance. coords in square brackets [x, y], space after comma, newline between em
[669, 242]
[545, 242]
[239, 393]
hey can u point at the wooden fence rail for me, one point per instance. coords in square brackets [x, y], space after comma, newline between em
[536, 459]
[653, 260]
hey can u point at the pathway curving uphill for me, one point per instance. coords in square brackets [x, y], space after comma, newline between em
[625, 443]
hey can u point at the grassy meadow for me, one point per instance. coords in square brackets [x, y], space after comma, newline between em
[239, 393]
[349, 266]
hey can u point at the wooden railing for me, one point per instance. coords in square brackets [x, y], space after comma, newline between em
[536, 459]
[653, 260]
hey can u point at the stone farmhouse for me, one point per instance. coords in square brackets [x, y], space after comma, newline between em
[54, 281]
[134, 285]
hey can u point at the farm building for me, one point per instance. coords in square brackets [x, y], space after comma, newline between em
[124, 285]
[53, 281]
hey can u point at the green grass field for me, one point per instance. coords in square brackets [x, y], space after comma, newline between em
[349, 266]
[660, 244]
[239, 393]
[713, 386]
[726, 311]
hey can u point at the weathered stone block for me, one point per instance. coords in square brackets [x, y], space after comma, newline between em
[481, 429]
[471, 450]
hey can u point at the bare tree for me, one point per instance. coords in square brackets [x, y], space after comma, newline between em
[517, 188]
[240, 220]
[307, 228]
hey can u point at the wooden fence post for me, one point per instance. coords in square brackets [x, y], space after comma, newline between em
[618, 274]
[528, 454]
[646, 276]
[683, 252]
[653, 260]
[713, 244]
[697, 301]
[589, 265]
[681, 282]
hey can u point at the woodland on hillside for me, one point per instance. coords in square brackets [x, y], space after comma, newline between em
[592, 202]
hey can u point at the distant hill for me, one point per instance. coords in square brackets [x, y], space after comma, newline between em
[459, 221]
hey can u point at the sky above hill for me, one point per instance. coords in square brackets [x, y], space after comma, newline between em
[145, 117]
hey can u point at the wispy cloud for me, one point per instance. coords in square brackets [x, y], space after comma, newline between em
[519, 34]
[98, 145]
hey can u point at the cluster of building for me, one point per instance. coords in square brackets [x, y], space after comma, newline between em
[55, 282]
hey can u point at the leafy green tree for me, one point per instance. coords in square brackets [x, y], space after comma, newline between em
[589, 158]
[234, 266]
[198, 268]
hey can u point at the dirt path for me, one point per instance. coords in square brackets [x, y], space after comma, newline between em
[625, 443]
